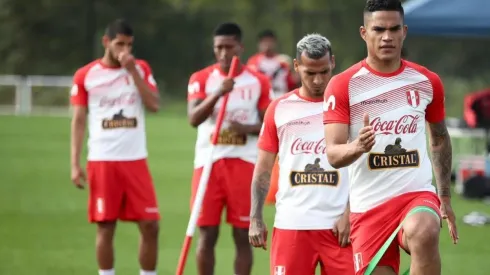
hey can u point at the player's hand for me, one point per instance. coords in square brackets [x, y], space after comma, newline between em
[78, 177]
[238, 128]
[448, 214]
[257, 233]
[341, 230]
[366, 138]
[226, 86]
[127, 61]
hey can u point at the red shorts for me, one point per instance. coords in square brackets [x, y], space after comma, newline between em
[298, 252]
[229, 184]
[370, 230]
[121, 190]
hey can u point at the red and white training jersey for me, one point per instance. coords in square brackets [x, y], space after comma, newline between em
[311, 194]
[251, 94]
[116, 121]
[277, 70]
[398, 105]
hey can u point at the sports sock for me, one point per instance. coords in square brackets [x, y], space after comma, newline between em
[144, 272]
[107, 272]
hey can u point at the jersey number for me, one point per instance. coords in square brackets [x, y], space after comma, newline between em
[247, 94]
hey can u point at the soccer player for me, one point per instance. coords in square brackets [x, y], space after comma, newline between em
[311, 225]
[273, 65]
[375, 117]
[236, 152]
[113, 92]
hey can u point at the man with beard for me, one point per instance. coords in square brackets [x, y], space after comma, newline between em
[113, 92]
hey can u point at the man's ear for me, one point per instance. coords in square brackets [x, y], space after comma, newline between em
[362, 32]
[332, 62]
[105, 41]
[296, 65]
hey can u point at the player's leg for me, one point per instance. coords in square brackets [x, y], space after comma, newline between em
[292, 253]
[334, 258]
[148, 252]
[420, 235]
[384, 270]
[209, 218]
[206, 258]
[141, 206]
[104, 247]
[238, 178]
[244, 255]
[105, 200]
[369, 231]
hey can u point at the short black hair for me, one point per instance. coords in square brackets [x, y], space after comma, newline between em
[229, 29]
[266, 34]
[384, 5]
[119, 26]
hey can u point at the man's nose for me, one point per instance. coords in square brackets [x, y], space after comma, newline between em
[223, 53]
[318, 80]
[126, 48]
[387, 36]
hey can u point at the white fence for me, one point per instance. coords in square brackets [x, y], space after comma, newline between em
[23, 104]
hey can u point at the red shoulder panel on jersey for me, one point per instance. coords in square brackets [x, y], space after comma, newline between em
[435, 111]
[148, 74]
[197, 84]
[336, 105]
[78, 93]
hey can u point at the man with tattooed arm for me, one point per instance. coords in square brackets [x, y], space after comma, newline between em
[375, 116]
[312, 200]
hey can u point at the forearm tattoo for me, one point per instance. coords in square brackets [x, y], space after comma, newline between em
[260, 188]
[441, 157]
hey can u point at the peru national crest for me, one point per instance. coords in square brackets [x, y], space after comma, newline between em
[413, 98]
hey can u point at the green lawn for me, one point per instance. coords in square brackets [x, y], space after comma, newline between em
[44, 228]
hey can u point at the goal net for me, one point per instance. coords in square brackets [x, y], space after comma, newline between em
[35, 95]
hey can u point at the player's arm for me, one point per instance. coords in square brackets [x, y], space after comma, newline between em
[340, 152]
[198, 110]
[79, 101]
[440, 141]
[268, 147]
[147, 88]
[78, 126]
[261, 182]
[336, 120]
[199, 104]
[441, 151]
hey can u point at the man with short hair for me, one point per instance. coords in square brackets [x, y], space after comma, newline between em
[236, 152]
[375, 123]
[113, 92]
[311, 225]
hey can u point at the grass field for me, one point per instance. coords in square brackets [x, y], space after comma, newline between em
[44, 228]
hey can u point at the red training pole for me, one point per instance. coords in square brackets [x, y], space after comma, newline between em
[203, 182]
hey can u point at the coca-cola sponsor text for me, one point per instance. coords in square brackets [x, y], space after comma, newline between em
[123, 99]
[301, 146]
[406, 124]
